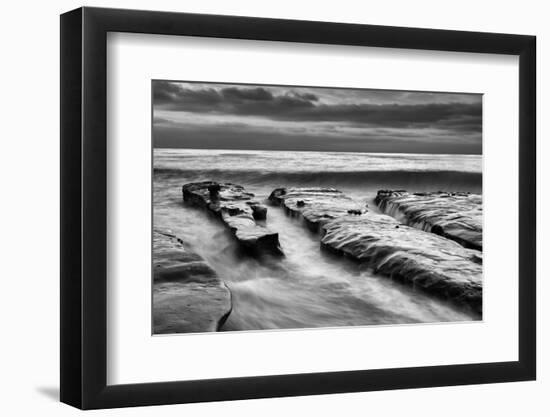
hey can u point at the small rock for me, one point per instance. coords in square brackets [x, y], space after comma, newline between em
[214, 190]
[259, 212]
[233, 211]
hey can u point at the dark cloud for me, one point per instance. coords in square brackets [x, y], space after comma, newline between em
[351, 118]
[171, 96]
[239, 101]
[244, 94]
[304, 107]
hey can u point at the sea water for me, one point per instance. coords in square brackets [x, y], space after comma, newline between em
[308, 287]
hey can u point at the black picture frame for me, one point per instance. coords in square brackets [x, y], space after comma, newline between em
[84, 207]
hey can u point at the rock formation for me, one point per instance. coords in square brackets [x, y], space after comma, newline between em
[456, 216]
[316, 205]
[425, 260]
[237, 209]
[188, 296]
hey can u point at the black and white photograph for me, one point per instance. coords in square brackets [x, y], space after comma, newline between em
[268, 209]
[293, 207]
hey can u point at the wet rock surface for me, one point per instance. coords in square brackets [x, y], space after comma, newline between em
[188, 296]
[456, 216]
[435, 264]
[316, 205]
[239, 211]
[425, 260]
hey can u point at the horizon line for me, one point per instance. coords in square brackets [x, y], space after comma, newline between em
[325, 151]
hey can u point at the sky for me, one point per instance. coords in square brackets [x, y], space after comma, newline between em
[262, 117]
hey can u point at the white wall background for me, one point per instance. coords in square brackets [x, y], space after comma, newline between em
[29, 100]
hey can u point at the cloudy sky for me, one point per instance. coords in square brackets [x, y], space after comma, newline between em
[237, 116]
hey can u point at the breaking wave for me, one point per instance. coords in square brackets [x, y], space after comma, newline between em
[432, 180]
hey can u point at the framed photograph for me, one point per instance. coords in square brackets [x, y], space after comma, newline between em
[258, 208]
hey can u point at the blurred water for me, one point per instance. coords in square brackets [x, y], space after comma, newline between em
[307, 288]
[287, 161]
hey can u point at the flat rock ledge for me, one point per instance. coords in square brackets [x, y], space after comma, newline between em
[425, 260]
[456, 216]
[239, 211]
[188, 296]
[317, 206]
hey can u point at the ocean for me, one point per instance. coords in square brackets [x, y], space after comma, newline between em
[308, 288]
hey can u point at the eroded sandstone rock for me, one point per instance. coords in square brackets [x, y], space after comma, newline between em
[316, 205]
[237, 209]
[456, 216]
[188, 295]
[425, 260]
